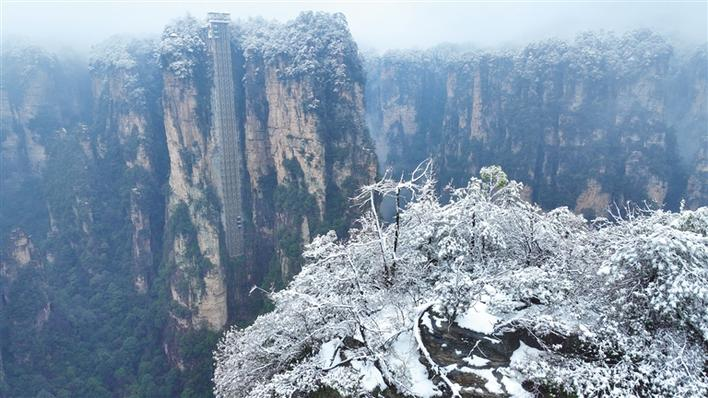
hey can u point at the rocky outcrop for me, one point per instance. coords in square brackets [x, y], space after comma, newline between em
[16, 256]
[477, 364]
[583, 124]
[25, 306]
[38, 95]
[28, 111]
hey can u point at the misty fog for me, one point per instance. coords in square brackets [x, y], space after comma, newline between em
[374, 25]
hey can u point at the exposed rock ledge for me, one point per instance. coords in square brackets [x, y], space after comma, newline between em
[468, 363]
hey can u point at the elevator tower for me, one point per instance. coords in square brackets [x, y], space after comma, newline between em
[223, 112]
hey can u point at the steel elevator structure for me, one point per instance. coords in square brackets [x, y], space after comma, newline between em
[230, 155]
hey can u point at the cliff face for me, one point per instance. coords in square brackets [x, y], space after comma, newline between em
[31, 106]
[689, 116]
[305, 150]
[583, 124]
[197, 275]
[697, 188]
[37, 90]
[306, 144]
[125, 89]
[81, 164]
[20, 269]
[31, 114]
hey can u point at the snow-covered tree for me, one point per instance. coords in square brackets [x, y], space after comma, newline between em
[182, 47]
[632, 291]
[314, 45]
[128, 60]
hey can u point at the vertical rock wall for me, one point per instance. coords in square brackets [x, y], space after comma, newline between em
[125, 89]
[583, 124]
[305, 150]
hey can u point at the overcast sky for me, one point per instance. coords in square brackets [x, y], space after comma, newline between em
[375, 25]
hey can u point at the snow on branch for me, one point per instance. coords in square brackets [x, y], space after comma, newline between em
[632, 294]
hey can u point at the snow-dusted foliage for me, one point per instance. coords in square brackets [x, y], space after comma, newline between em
[594, 55]
[20, 62]
[129, 61]
[632, 294]
[30, 56]
[182, 47]
[120, 53]
[597, 55]
[315, 44]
